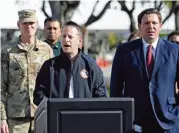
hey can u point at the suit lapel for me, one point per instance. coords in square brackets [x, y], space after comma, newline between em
[140, 55]
[158, 57]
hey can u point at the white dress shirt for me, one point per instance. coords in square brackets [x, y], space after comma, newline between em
[145, 47]
[71, 91]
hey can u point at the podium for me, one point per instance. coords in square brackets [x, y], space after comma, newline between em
[83, 115]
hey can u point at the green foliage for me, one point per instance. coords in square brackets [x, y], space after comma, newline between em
[112, 38]
[168, 3]
[163, 34]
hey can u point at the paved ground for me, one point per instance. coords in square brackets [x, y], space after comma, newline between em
[107, 74]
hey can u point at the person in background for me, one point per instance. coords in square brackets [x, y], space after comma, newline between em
[174, 37]
[134, 35]
[52, 33]
[20, 62]
[147, 70]
[72, 74]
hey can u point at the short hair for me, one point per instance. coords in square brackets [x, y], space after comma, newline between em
[51, 19]
[134, 34]
[172, 33]
[78, 27]
[149, 11]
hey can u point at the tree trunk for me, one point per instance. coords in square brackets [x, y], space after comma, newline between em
[55, 8]
[63, 10]
[132, 23]
[177, 17]
[177, 20]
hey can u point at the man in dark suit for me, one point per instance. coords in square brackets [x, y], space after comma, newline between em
[147, 69]
[174, 37]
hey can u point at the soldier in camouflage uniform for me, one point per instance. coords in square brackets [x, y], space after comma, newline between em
[20, 63]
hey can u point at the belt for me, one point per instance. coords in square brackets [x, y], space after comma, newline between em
[22, 118]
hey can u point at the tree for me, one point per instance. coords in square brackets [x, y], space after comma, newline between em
[173, 8]
[130, 14]
[64, 10]
[177, 16]
[94, 18]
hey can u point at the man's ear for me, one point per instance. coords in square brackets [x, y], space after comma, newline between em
[60, 33]
[81, 43]
[161, 26]
[138, 26]
[37, 24]
[18, 24]
[81, 39]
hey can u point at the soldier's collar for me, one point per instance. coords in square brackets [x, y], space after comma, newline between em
[25, 46]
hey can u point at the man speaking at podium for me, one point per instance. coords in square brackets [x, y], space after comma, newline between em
[72, 74]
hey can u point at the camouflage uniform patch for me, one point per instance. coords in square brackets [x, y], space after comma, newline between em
[20, 65]
[21, 126]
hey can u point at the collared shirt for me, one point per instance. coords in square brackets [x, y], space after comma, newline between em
[56, 47]
[145, 47]
[71, 90]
